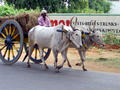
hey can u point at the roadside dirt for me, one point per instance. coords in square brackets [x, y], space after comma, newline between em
[93, 53]
[91, 63]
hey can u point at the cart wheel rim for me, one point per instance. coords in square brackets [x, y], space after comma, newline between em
[11, 36]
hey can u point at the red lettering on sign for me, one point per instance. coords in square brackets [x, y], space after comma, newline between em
[67, 22]
[56, 22]
[61, 21]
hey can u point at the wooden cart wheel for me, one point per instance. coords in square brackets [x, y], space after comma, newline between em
[35, 57]
[11, 41]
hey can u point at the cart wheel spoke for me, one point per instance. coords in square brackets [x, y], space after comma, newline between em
[6, 30]
[15, 48]
[10, 29]
[4, 36]
[13, 53]
[2, 47]
[8, 54]
[5, 52]
[35, 53]
[13, 31]
[39, 51]
[15, 36]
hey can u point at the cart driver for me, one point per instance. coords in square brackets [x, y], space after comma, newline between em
[43, 20]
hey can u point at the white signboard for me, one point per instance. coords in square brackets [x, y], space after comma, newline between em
[104, 22]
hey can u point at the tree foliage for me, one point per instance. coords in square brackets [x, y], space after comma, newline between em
[49, 5]
[101, 5]
[7, 10]
[54, 6]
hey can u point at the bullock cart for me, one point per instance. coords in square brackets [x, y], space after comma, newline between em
[14, 37]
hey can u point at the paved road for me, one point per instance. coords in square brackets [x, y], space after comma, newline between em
[18, 77]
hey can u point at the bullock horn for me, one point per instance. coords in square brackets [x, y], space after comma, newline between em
[94, 25]
[89, 27]
[75, 21]
[71, 23]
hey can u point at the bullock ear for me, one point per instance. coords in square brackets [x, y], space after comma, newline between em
[65, 31]
[92, 29]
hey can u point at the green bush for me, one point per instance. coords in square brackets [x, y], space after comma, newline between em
[111, 38]
[11, 10]
[7, 10]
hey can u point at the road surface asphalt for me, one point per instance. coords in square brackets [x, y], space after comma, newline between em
[19, 77]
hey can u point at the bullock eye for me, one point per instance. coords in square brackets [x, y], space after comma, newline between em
[76, 34]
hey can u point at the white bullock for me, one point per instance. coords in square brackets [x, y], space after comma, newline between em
[56, 38]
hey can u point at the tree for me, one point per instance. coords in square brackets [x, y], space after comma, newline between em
[101, 5]
[54, 6]
[49, 5]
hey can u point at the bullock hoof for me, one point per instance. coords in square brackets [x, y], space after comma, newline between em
[84, 69]
[78, 64]
[59, 67]
[28, 66]
[56, 70]
[46, 66]
[37, 63]
[69, 65]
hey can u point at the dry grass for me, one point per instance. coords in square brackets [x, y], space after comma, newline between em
[26, 20]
